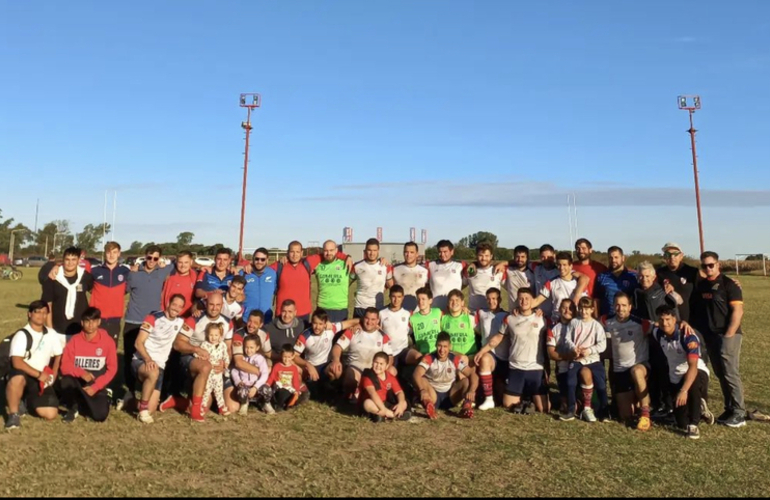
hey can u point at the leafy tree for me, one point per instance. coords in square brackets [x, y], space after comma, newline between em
[474, 239]
[136, 248]
[185, 239]
[88, 239]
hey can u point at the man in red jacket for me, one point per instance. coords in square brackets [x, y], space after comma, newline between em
[89, 364]
[181, 281]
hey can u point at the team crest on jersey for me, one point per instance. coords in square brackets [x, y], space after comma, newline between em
[462, 325]
[626, 283]
[683, 280]
[449, 370]
[99, 351]
[454, 271]
[121, 278]
[389, 387]
[337, 268]
[435, 322]
[491, 278]
[379, 272]
[630, 333]
[379, 344]
[403, 320]
[715, 287]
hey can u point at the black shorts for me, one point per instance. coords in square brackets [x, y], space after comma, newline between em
[32, 396]
[526, 383]
[624, 382]
[502, 369]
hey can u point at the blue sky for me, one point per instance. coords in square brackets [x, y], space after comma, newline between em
[449, 116]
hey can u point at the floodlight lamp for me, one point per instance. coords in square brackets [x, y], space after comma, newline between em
[243, 100]
[696, 101]
[682, 102]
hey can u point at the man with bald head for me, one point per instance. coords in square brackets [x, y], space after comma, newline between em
[333, 278]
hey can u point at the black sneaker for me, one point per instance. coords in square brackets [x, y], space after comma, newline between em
[604, 416]
[72, 414]
[724, 417]
[22, 409]
[517, 409]
[662, 413]
[736, 420]
[406, 416]
[705, 414]
[376, 418]
[13, 422]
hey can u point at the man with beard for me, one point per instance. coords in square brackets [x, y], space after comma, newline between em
[410, 276]
[584, 265]
[261, 283]
[680, 276]
[481, 277]
[617, 279]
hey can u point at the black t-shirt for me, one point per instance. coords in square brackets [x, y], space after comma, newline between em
[56, 293]
[684, 281]
[42, 275]
[713, 306]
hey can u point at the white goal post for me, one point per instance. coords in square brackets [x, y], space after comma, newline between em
[738, 265]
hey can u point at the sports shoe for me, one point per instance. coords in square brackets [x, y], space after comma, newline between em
[644, 425]
[488, 404]
[168, 404]
[71, 415]
[430, 409]
[724, 416]
[268, 409]
[123, 403]
[197, 416]
[693, 432]
[588, 415]
[736, 420]
[603, 415]
[22, 408]
[467, 410]
[109, 393]
[244, 409]
[376, 418]
[705, 413]
[224, 412]
[567, 417]
[662, 413]
[406, 416]
[517, 409]
[145, 417]
[304, 397]
[13, 422]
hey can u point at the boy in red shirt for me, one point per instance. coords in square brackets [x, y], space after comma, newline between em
[380, 395]
[285, 380]
[89, 364]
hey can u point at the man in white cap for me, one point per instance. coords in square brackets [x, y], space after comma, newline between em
[678, 277]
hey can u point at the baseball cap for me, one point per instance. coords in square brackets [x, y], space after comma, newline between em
[671, 245]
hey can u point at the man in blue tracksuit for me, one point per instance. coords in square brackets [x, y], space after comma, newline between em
[261, 284]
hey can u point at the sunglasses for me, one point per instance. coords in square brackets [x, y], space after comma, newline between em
[260, 259]
[152, 259]
[708, 266]
[668, 255]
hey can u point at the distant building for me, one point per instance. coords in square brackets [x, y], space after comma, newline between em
[394, 252]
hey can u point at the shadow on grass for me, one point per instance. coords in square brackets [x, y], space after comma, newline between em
[22, 306]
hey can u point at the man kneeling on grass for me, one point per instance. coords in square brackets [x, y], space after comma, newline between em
[381, 396]
[444, 379]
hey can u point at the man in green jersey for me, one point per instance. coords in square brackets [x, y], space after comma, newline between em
[333, 278]
[424, 326]
[460, 325]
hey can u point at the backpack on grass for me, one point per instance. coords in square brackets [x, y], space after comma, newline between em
[5, 352]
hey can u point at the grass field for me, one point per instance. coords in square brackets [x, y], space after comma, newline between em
[316, 451]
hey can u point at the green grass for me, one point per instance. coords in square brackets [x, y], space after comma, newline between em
[316, 451]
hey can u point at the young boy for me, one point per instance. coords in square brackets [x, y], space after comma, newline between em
[313, 348]
[560, 352]
[493, 366]
[444, 380]
[562, 287]
[232, 306]
[424, 326]
[381, 396]
[285, 380]
[460, 325]
[394, 322]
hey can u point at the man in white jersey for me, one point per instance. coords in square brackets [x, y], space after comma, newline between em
[518, 274]
[562, 287]
[481, 277]
[630, 360]
[394, 322]
[527, 334]
[493, 366]
[410, 276]
[153, 347]
[232, 306]
[359, 344]
[445, 274]
[313, 348]
[372, 275]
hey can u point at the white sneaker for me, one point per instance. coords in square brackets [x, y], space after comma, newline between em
[588, 415]
[488, 404]
[244, 409]
[145, 417]
[268, 408]
[127, 397]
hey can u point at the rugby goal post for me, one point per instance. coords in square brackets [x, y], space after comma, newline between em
[738, 262]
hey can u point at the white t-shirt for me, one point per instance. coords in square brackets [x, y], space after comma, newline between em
[478, 284]
[445, 277]
[371, 283]
[162, 333]
[395, 324]
[360, 347]
[630, 345]
[514, 280]
[234, 310]
[556, 291]
[317, 348]
[543, 276]
[442, 374]
[410, 279]
[195, 328]
[44, 347]
[557, 337]
[488, 325]
[527, 334]
[587, 335]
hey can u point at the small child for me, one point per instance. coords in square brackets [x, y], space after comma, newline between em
[561, 350]
[249, 385]
[381, 396]
[285, 380]
[217, 353]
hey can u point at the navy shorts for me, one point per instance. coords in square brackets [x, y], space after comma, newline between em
[137, 363]
[359, 312]
[337, 315]
[185, 362]
[322, 375]
[526, 383]
[502, 369]
[400, 358]
[443, 401]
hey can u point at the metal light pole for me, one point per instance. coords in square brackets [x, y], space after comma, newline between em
[250, 102]
[691, 103]
[54, 240]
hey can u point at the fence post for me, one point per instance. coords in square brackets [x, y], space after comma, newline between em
[737, 267]
[764, 265]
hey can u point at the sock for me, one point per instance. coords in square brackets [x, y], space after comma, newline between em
[197, 407]
[144, 405]
[588, 393]
[646, 411]
[486, 384]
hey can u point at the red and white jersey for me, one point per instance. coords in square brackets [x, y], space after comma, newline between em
[543, 276]
[316, 348]
[410, 279]
[445, 277]
[630, 345]
[488, 325]
[395, 324]
[371, 283]
[162, 333]
[442, 374]
[195, 328]
[232, 310]
[514, 280]
[557, 290]
[482, 280]
[558, 338]
[360, 347]
[528, 336]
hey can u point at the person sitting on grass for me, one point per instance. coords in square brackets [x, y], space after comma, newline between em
[444, 379]
[688, 373]
[249, 385]
[285, 380]
[381, 396]
[89, 364]
[35, 358]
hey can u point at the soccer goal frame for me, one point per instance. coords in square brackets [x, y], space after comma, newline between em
[738, 266]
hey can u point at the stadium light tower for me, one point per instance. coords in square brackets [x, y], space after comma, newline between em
[250, 102]
[691, 103]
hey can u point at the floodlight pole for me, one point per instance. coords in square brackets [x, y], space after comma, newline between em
[250, 102]
[683, 104]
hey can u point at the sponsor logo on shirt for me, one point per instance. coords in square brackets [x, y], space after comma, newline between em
[683, 280]
[269, 279]
[100, 277]
[99, 351]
